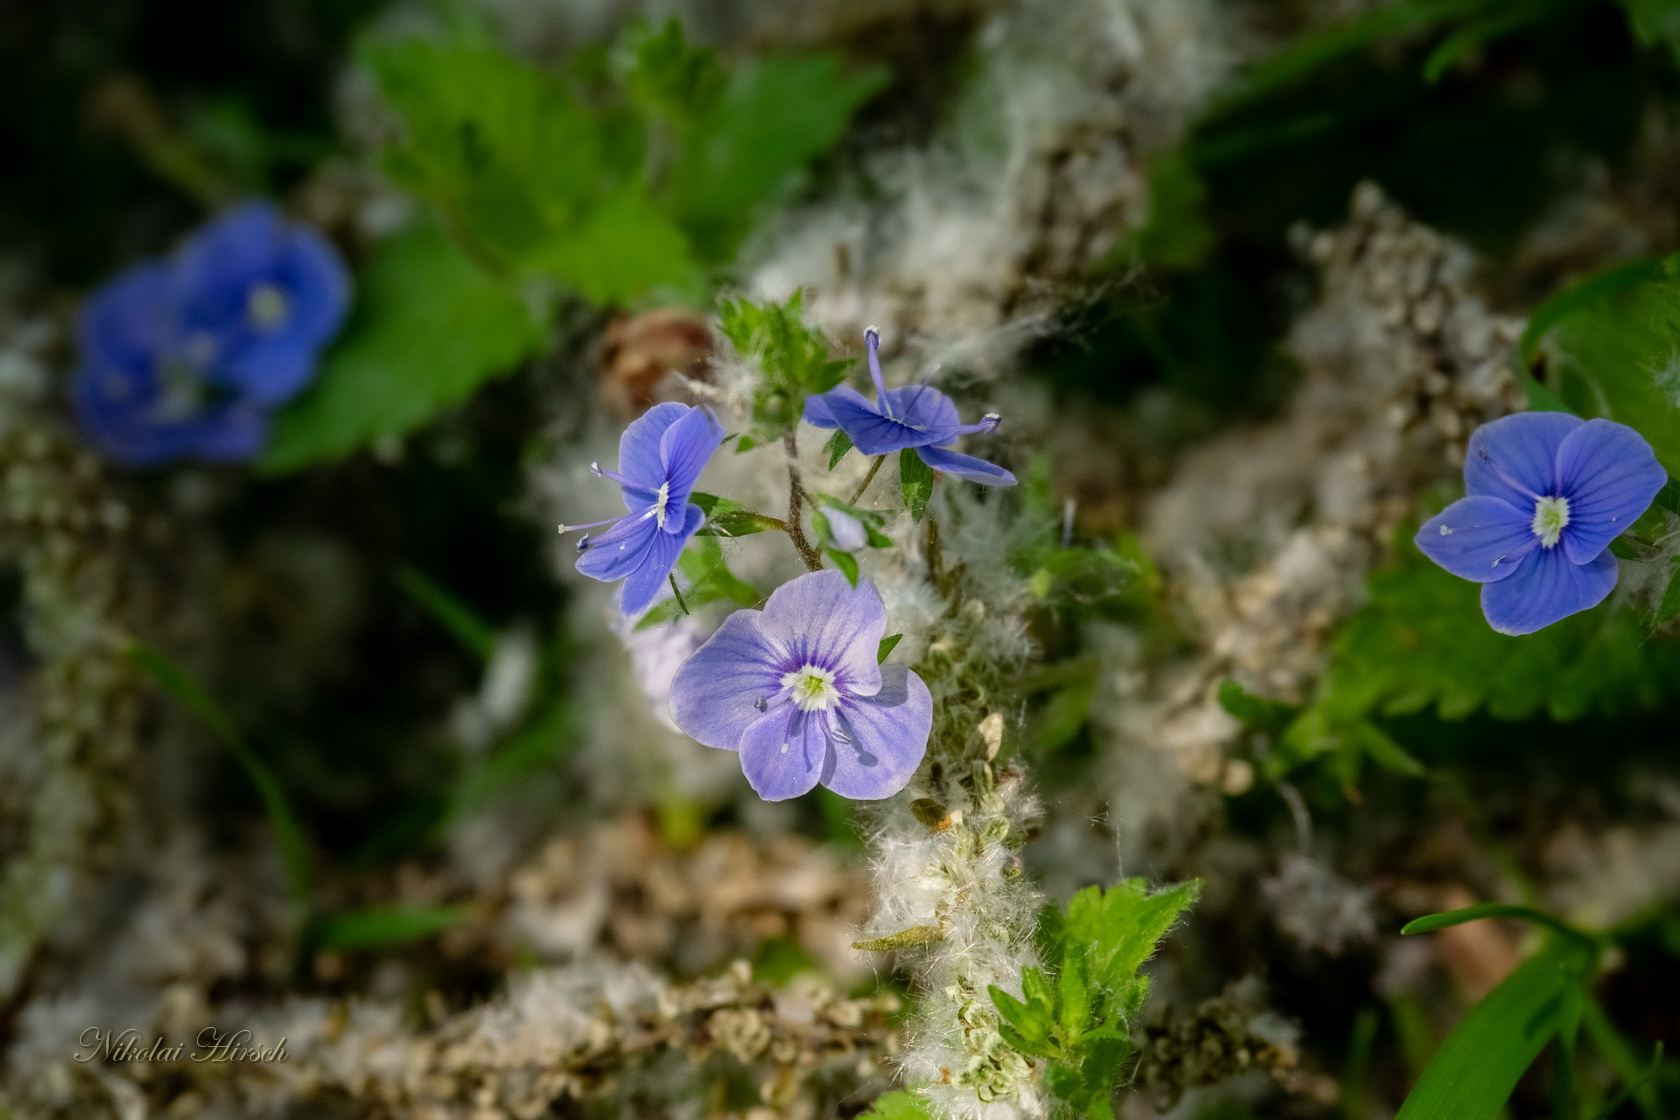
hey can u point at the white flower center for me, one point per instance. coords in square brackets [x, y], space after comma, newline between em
[267, 307]
[813, 688]
[660, 502]
[1550, 516]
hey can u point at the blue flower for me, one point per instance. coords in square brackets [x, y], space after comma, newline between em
[660, 458]
[186, 357]
[1546, 493]
[915, 416]
[796, 691]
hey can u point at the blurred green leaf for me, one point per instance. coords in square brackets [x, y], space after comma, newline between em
[747, 145]
[383, 925]
[1429, 923]
[288, 833]
[915, 482]
[428, 329]
[464, 624]
[1255, 712]
[1480, 1063]
[899, 1106]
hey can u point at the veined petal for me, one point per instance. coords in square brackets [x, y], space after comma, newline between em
[871, 432]
[639, 448]
[965, 466]
[880, 740]
[716, 694]
[686, 448]
[821, 619]
[925, 408]
[1479, 539]
[783, 752]
[1515, 457]
[1545, 588]
[659, 556]
[1609, 475]
[817, 413]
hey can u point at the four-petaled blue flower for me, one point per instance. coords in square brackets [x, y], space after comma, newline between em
[185, 357]
[917, 416]
[1546, 494]
[797, 691]
[660, 458]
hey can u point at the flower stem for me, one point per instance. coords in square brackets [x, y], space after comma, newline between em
[795, 519]
[867, 479]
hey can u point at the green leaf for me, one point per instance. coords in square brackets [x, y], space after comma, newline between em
[1614, 351]
[846, 562]
[726, 518]
[1177, 235]
[886, 647]
[384, 925]
[464, 624]
[1120, 927]
[621, 248]
[1656, 22]
[838, 444]
[899, 1106]
[288, 833]
[666, 75]
[915, 481]
[706, 570]
[1421, 642]
[746, 147]
[903, 939]
[1432, 922]
[792, 357]
[1256, 712]
[549, 734]
[1473, 1074]
[428, 329]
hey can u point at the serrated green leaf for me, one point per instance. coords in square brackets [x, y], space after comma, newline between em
[1422, 642]
[1120, 927]
[903, 939]
[899, 1106]
[1073, 987]
[1473, 1074]
[884, 650]
[748, 144]
[838, 444]
[915, 482]
[792, 357]
[428, 329]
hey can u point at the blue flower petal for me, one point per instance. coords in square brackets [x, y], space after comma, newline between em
[716, 694]
[965, 466]
[640, 448]
[126, 323]
[636, 551]
[926, 409]
[1479, 539]
[1515, 457]
[1545, 588]
[817, 413]
[871, 431]
[685, 448]
[1610, 475]
[882, 739]
[821, 619]
[784, 750]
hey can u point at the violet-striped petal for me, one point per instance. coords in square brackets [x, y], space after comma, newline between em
[1479, 539]
[717, 693]
[965, 466]
[880, 740]
[1515, 457]
[1547, 587]
[1609, 475]
[783, 752]
[821, 619]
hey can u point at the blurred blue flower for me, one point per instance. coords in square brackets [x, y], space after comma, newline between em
[797, 692]
[917, 416]
[1546, 493]
[185, 357]
[660, 457]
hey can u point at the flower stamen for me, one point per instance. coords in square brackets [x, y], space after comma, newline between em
[1550, 517]
[812, 687]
